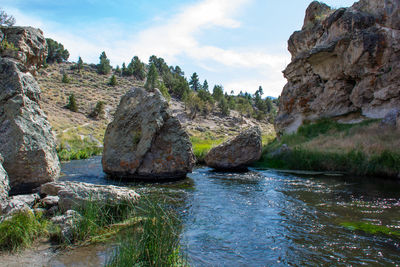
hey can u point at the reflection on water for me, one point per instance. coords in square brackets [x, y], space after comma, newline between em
[263, 218]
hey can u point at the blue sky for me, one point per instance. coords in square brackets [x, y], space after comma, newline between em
[240, 44]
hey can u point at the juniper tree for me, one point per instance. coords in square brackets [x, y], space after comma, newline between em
[152, 78]
[104, 66]
[5, 19]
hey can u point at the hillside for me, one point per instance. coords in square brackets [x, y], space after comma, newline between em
[80, 135]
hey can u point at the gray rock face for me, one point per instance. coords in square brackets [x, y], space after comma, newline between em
[26, 140]
[4, 186]
[145, 141]
[30, 43]
[344, 62]
[67, 222]
[236, 153]
[20, 203]
[72, 195]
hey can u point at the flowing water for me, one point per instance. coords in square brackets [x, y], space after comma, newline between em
[266, 218]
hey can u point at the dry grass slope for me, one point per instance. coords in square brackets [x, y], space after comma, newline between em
[80, 136]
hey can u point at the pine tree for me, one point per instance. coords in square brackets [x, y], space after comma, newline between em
[195, 82]
[138, 68]
[218, 92]
[152, 78]
[124, 70]
[79, 66]
[224, 106]
[205, 85]
[104, 67]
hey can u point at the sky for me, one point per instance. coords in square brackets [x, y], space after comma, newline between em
[239, 44]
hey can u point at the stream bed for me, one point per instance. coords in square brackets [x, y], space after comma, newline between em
[266, 218]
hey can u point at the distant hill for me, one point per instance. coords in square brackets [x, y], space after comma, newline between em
[77, 131]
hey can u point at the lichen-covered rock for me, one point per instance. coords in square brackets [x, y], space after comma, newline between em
[145, 141]
[29, 43]
[4, 186]
[344, 62]
[236, 153]
[72, 195]
[26, 139]
[20, 203]
[67, 222]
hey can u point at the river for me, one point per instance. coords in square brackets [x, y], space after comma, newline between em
[268, 218]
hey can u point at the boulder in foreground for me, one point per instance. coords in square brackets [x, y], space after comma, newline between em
[145, 141]
[236, 153]
[72, 195]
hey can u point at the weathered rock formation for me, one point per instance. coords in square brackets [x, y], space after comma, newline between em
[145, 141]
[72, 195]
[26, 140]
[344, 61]
[29, 43]
[236, 153]
[4, 186]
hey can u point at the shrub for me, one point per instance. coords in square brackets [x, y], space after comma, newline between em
[65, 78]
[113, 80]
[5, 45]
[98, 111]
[71, 105]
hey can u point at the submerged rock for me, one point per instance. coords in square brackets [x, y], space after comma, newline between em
[145, 141]
[72, 195]
[26, 139]
[344, 62]
[236, 153]
[4, 186]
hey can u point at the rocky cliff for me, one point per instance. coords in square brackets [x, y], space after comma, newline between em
[26, 139]
[345, 64]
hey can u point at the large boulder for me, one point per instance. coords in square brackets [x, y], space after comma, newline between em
[27, 142]
[236, 153]
[345, 63]
[4, 186]
[72, 195]
[145, 141]
[29, 46]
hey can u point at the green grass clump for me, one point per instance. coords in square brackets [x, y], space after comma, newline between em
[98, 219]
[21, 230]
[201, 146]
[371, 229]
[153, 241]
[77, 149]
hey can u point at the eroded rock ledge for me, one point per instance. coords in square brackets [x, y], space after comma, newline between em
[145, 141]
[344, 62]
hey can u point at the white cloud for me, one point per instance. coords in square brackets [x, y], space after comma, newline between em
[174, 38]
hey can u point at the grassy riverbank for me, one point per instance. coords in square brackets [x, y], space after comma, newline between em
[147, 233]
[361, 149]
